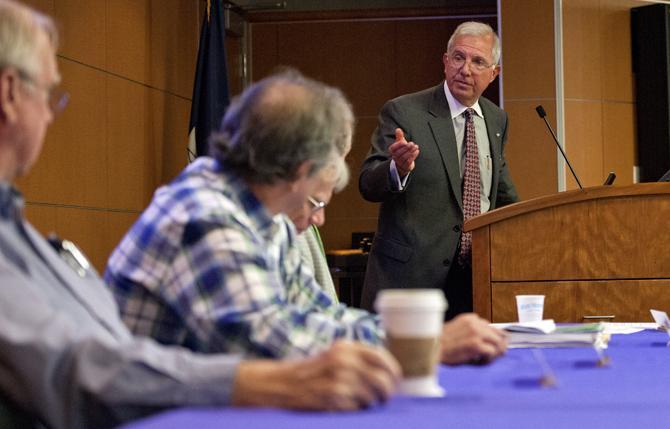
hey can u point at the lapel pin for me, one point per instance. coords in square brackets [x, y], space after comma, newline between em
[497, 134]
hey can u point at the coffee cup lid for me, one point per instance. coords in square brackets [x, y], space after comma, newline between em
[427, 299]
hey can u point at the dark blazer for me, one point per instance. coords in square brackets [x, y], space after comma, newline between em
[419, 228]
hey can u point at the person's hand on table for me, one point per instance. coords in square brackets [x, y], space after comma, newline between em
[470, 339]
[404, 153]
[348, 376]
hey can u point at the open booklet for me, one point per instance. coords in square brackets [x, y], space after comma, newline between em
[545, 333]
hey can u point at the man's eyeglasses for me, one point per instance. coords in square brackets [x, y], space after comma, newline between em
[316, 204]
[477, 64]
[56, 98]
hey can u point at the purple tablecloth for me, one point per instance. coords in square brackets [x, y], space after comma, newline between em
[633, 391]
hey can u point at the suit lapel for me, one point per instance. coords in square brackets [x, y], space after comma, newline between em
[442, 128]
[495, 132]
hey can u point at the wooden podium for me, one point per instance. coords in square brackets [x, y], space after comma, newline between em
[602, 251]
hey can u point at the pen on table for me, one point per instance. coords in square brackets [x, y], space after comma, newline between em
[548, 379]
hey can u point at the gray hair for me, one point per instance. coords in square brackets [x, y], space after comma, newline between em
[279, 123]
[473, 28]
[19, 30]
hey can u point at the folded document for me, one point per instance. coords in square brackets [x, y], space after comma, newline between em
[545, 333]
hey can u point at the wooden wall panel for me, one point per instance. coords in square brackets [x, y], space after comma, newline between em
[528, 79]
[619, 141]
[582, 54]
[129, 68]
[72, 168]
[83, 29]
[617, 76]
[528, 50]
[334, 52]
[530, 151]
[42, 217]
[130, 153]
[264, 53]
[127, 38]
[584, 142]
[174, 32]
[168, 119]
[628, 301]
[589, 240]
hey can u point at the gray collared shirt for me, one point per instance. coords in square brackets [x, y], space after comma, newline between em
[66, 356]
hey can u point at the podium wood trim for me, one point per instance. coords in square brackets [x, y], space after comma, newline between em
[564, 244]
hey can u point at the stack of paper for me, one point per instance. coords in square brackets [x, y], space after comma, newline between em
[545, 333]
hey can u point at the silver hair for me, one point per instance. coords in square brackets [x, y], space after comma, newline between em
[473, 28]
[19, 30]
[279, 123]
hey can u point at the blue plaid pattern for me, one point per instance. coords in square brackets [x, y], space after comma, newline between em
[208, 268]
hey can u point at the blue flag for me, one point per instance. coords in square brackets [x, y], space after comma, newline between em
[210, 90]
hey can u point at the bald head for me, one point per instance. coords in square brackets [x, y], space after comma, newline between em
[280, 123]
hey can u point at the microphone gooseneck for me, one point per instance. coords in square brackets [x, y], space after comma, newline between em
[542, 114]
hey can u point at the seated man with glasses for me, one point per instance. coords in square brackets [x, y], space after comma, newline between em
[437, 159]
[212, 263]
[66, 358]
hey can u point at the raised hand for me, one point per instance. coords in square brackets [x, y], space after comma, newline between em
[404, 153]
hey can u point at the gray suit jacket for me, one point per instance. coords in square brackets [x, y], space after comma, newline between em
[419, 228]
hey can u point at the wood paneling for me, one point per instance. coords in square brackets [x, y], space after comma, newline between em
[168, 117]
[353, 56]
[627, 300]
[264, 52]
[602, 238]
[594, 252]
[83, 29]
[72, 168]
[583, 142]
[128, 38]
[96, 232]
[618, 141]
[617, 76]
[129, 68]
[530, 150]
[528, 50]
[130, 153]
[174, 32]
[582, 55]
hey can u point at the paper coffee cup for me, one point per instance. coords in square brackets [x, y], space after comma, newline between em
[530, 307]
[413, 319]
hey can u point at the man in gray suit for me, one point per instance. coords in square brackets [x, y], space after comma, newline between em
[419, 241]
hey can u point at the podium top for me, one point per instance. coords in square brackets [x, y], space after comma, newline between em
[565, 198]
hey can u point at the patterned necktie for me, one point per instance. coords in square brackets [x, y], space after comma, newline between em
[471, 185]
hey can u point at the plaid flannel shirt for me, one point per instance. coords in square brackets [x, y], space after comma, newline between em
[207, 267]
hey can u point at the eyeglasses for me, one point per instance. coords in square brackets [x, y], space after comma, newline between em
[477, 64]
[57, 98]
[316, 204]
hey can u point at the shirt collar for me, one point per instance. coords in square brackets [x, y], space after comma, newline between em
[11, 202]
[250, 204]
[456, 108]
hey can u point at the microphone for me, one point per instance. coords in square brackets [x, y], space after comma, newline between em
[610, 179]
[540, 111]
